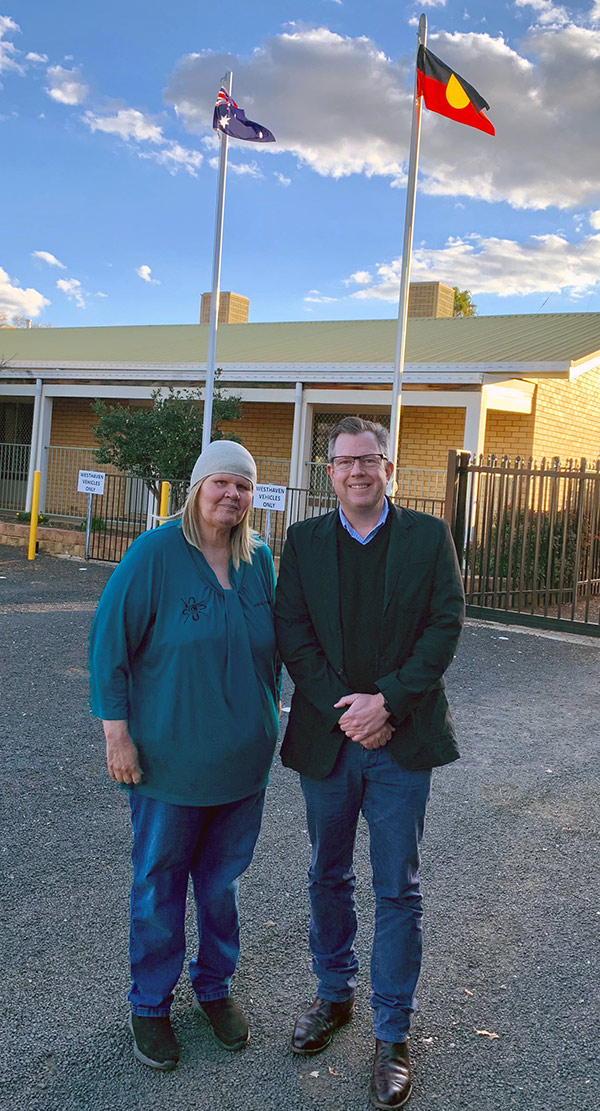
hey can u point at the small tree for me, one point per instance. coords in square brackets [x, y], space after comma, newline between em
[18, 321]
[161, 443]
[463, 303]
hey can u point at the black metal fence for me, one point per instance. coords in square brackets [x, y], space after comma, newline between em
[272, 525]
[527, 535]
[126, 509]
[528, 538]
[118, 515]
[14, 468]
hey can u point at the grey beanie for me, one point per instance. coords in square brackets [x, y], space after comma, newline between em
[224, 457]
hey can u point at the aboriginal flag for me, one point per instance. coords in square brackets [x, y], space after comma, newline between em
[232, 120]
[445, 92]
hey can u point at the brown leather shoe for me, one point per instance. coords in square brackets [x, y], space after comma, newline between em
[315, 1028]
[390, 1079]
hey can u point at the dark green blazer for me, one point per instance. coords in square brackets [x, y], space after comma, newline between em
[423, 613]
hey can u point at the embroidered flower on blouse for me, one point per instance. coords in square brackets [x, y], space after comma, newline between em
[192, 609]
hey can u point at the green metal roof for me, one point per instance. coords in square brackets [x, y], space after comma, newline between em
[568, 337]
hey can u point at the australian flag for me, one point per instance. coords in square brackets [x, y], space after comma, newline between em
[232, 120]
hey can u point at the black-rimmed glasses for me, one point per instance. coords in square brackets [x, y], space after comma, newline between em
[346, 462]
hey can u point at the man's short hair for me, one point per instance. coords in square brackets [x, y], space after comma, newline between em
[353, 426]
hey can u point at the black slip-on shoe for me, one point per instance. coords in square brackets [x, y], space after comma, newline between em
[154, 1043]
[226, 1020]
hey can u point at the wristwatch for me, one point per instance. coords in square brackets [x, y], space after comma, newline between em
[388, 708]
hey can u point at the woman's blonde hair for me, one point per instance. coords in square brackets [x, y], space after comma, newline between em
[244, 540]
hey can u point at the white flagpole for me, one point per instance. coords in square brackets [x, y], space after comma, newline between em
[411, 190]
[209, 388]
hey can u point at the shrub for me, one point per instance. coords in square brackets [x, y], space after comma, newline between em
[495, 553]
[98, 525]
[25, 518]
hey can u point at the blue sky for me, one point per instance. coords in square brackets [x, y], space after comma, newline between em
[108, 183]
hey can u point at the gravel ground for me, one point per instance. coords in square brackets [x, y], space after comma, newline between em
[510, 875]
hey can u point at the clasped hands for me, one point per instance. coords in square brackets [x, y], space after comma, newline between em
[365, 721]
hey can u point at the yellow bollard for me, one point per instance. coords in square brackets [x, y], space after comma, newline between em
[33, 521]
[165, 490]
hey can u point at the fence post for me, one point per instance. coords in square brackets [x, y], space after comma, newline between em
[450, 484]
[455, 504]
[33, 519]
[165, 490]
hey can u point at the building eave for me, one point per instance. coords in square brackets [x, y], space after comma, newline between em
[344, 373]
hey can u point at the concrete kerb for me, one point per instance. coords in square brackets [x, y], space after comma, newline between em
[533, 631]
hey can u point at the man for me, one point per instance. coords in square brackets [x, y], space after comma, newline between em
[368, 614]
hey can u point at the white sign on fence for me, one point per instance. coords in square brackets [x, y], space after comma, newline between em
[91, 482]
[269, 497]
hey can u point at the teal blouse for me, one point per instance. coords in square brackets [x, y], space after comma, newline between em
[191, 667]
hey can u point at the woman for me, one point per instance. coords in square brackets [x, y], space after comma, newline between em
[184, 675]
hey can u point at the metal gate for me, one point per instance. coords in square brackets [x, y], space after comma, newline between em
[528, 539]
[121, 513]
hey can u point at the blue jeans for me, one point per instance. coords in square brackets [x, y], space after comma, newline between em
[213, 845]
[393, 802]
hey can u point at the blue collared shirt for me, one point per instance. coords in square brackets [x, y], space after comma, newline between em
[365, 539]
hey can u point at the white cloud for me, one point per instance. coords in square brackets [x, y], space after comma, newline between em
[341, 107]
[548, 14]
[8, 50]
[66, 85]
[15, 301]
[282, 179]
[360, 277]
[133, 126]
[503, 267]
[175, 157]
[127, 123]
[316, 298]
[594, 218]
[433, 4]
[243, 169]
[321, 94]
[52, 260]
[8, 24]
[33, 57]
[71, 287]
[144, 273]
[595, 12]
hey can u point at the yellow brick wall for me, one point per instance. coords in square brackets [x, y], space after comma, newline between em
[265, 429]
[509, 434]
[426, 434]
[72, 421]
[233, 308]
[430, 299]
[567, 420]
